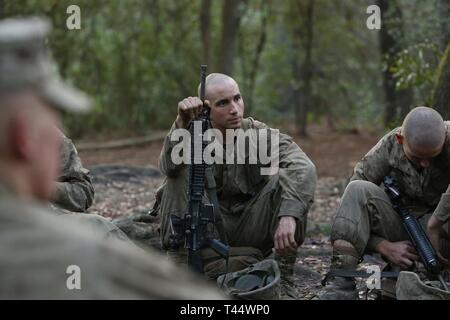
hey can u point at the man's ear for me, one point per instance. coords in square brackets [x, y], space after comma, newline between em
[399, 137]
[18, 136]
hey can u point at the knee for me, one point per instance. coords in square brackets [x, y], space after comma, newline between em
[361, 189]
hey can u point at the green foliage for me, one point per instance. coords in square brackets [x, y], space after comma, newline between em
[416, 67]
[441, 94]
[138, 58]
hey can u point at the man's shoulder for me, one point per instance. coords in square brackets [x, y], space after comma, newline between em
[36, 243]
[387, 144]
[251, 123]
[390, 136]
[38, 221]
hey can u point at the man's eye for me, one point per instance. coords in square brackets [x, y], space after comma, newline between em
[237, 98]
[222, 103]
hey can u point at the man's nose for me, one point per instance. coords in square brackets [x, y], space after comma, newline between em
[234, 108]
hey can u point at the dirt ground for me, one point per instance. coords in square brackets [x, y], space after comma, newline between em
[125, 180]
[334, 155]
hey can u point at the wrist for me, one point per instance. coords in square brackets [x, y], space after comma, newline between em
[434, 223]
[179, 122]
[383, 247]
[287, 218]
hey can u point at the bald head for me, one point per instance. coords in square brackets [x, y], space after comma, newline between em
[224, 96]
[215, 81]
[424, 129]
[422, 135]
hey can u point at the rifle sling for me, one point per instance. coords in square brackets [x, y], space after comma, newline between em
[357, 274]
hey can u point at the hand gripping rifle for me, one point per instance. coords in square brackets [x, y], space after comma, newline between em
[415, 231]
[196, 230]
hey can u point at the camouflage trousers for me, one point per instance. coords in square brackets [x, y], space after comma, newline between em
[250, 224]
[366, 216]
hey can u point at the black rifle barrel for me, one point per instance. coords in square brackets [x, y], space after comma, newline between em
[203, 82]
[412, 226]
[415, 231]
[199, 216]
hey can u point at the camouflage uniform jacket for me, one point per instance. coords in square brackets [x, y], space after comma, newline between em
[422, 188]
[238, 183]
[74, 191]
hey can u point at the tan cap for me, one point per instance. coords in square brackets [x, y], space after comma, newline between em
[26, 63]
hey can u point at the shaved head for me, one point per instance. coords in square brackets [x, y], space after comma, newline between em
[424, 129]
[227, 105]
[422, 135]
[215, 80]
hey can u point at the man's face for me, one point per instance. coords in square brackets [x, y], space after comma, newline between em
[420, 156]
[227, 106]
[44, 152]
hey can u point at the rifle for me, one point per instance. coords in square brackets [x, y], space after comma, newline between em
[416, 233]
[196, 230]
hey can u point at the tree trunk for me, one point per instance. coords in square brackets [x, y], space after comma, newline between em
[444, 20]
[441, 99]
[307, 67]
[205, 17]
[397, 103]
[154, 11]
[230, 26]
[296, 74]
[257, 55]
[303, 72]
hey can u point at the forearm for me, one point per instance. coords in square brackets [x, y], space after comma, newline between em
[442, 211]
[166, 164]
[378, 244]
[298, 179]
[73, 196]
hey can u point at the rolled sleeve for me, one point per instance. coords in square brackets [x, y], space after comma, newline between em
[166, 164]
[442, 211]
[74, 190]
[298, 179]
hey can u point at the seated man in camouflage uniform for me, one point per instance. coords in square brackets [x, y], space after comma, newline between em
[37, 248]
[74, 194]
[417, 155]
[73, 191]
[258, 211]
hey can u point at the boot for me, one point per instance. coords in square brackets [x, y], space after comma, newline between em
[286, 264]
[341, 288]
